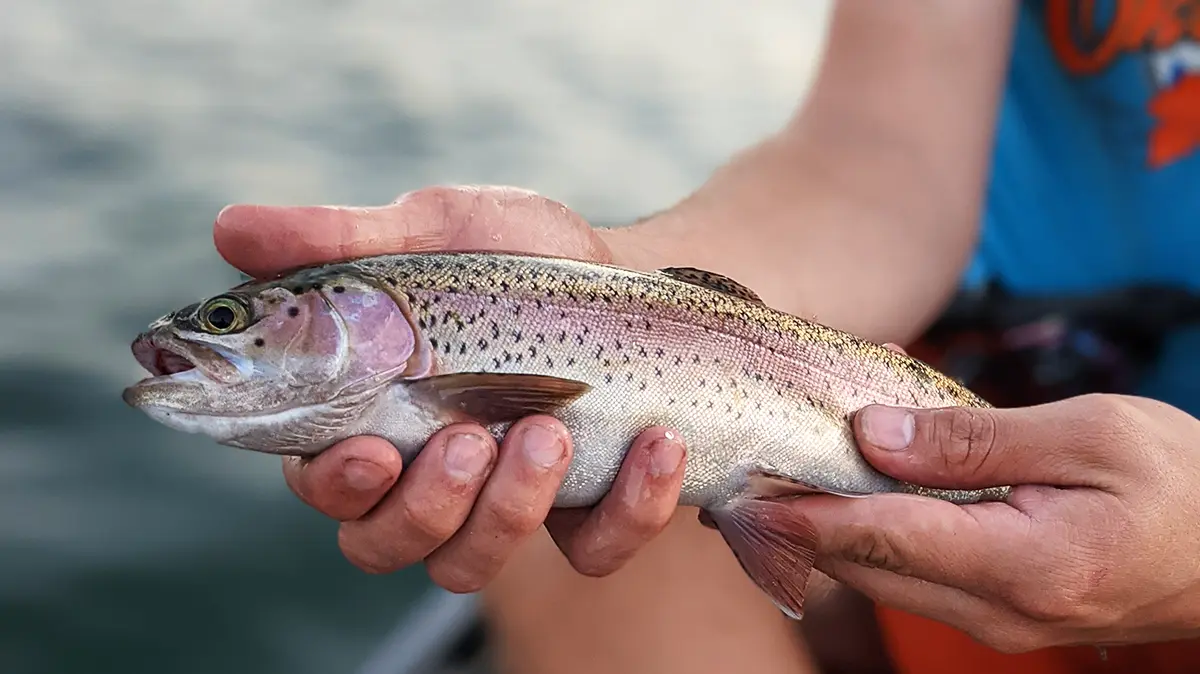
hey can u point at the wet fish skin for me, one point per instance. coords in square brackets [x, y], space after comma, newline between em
[747, 385]
[764, 398]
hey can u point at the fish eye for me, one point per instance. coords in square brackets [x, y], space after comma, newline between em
[222, 316]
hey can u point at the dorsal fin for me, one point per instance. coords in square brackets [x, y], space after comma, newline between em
[712, 281]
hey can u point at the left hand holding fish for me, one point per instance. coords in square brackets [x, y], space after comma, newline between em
[464, 505]
[1097, 546]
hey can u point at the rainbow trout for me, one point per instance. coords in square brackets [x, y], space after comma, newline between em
[400, 346]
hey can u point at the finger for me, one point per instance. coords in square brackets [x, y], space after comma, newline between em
[346, 480]
[985, 621]
[265, 240]
[534, 457]
[1080, 442]
[936, 541]
[895, 347]
[431, 501]
[636, 509]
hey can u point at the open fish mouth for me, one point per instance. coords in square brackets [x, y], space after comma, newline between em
[164, 357]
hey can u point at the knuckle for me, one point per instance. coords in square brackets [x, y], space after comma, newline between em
[877, 549]
[1109, 419]
[453, 577]
[643, 523]
[591, 564]
[512, 518]
[366, 554]
[426, 520]
[1067, 602]
[964, 438]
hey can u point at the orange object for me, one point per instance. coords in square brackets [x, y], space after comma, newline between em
[921, 646]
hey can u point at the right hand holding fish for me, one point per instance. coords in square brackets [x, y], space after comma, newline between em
[464, 505]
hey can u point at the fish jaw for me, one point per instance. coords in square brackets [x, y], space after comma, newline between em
[290, 368]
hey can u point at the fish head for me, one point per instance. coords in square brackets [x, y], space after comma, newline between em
[280, 366]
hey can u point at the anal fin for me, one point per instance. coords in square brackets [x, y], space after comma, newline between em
[775, 545]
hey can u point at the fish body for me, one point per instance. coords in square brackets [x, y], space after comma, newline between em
[401, 345]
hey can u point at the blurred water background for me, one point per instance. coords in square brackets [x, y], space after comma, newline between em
[125, 125]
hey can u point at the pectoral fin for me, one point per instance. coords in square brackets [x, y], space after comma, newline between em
[489, 397]
[775, 545]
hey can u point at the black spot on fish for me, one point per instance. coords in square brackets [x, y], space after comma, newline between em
[496, 362]
[562, 336]
[339, 289]
[293, 311]
[549, 363]
[579, 339]
[642, 351]
[483, 345]
[570, 362]
[628, 376]
[533, 352]
[433, 342]
[625, 358]
[495, 330]
[659, 352]
[259, 342]
[391, 281]
[462, 349]
[421, 322]
[642, 386]
[298, 290]
[679, 360]
[517, 336]
[608, 378]
[658, 372]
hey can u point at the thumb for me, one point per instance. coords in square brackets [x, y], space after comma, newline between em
[1061, 444]
[265, 240]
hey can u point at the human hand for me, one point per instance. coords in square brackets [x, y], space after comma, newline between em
[464, 505]
[1096, 546]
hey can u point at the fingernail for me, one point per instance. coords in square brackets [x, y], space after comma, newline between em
[665, 456]
[363, 475]
[890, 428]
[466, 456]
[543, 446]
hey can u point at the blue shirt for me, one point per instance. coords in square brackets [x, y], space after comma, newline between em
[1096, 169]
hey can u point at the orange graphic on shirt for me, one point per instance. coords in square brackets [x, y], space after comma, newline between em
[1137, 27]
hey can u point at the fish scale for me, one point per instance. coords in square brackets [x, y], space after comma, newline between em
[788, 386]
[399, 346]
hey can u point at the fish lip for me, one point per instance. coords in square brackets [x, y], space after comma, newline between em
[165, 357]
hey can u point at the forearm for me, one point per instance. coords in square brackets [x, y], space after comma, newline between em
[775, 222]
[863, 211]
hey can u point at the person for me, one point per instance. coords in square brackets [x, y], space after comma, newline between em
[1050, 145]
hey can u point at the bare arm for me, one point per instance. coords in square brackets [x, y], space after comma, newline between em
[864, 209]
[862, 213]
